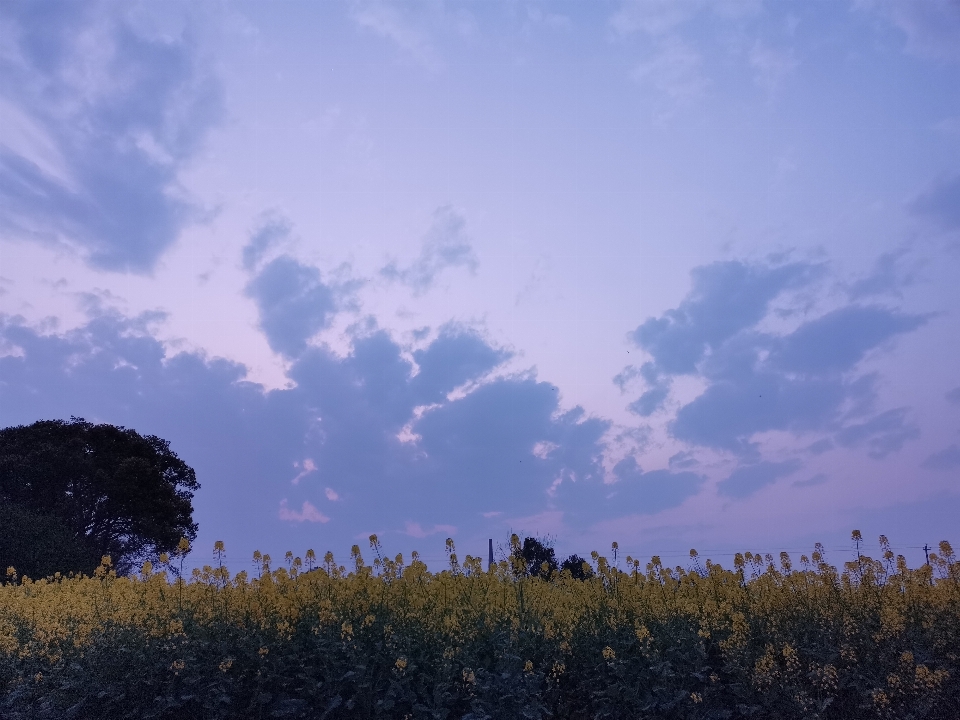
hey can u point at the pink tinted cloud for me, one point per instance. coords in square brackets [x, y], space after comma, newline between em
[415, 530]
[306, 513]
[308, 467]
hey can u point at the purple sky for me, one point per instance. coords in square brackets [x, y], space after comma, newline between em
[675, 274]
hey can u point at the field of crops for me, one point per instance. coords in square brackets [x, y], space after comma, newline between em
[313, 639]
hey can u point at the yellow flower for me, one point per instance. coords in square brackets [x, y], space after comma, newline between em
[528, 667]
[263, 651]
[226, 664]
[401, 663]
[608, 653]
[696, 697]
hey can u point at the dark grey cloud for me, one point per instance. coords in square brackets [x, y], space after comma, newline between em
[115, 136]
[500, 447]
[757, 381]
[445, 245]
[941, 203]
[946, 459]
[294, 303]
[746, 480]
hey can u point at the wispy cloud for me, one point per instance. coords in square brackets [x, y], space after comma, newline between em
[101, 114]
[307, 513]
[940, 203]
[446, 245]
[932, 27]
[414, 529]
[391, 21]
[946, 459]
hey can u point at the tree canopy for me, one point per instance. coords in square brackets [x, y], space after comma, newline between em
[535, 557]
[117, 492]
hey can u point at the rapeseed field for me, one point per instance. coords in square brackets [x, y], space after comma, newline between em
[766, 638]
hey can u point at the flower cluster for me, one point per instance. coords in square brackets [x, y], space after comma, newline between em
[765, 639]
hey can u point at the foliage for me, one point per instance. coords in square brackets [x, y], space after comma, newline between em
[532, 558]
[578, 567]
[41, 545]
[120, 493]
[393, 640]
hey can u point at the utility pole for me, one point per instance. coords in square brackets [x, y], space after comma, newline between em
[490, 555]
[926, 551]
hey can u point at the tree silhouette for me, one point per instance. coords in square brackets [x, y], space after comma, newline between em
[532, 556]
[578, 567]
[117, 492]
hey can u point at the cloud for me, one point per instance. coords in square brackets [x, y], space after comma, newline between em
[726, 297]
[294, 303]
[953, 397]
[747, 480]
[758, 381]
[308, 466]
[941, 203]
[444, 246]
[390, 22]
[634, 492]
[344, 412]
[771, 65]
[454, 357]
[885, 278]
[932, 27]
[416, 530]
[623, 378]
[653, 491]
[653, 17]
[307, 513]
[270, 232]
[683, 460]
[883, 434]
[102, 111]
[674, 69]
[837, 341]
[818, 479]
[946, 459]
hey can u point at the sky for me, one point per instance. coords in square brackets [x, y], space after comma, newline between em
[675, 274]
